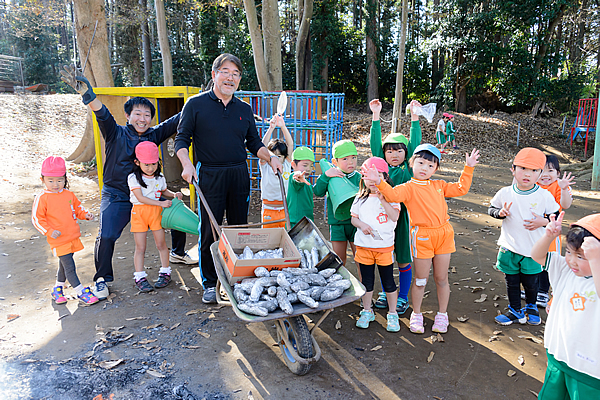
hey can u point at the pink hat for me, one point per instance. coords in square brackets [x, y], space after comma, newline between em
[447, 115]
[146, 152]
[54, 166]
[378, 163]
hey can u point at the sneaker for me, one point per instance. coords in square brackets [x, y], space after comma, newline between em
[440, 324]
[87, 296]
[401, 306]
[58, 296]
[416, 323]
[100, 289]
[381, 300]
[542, 299]
[511, 316]
[533, 315]
[143, 285]
[163, 280]
[393, 323]
[185, 259]
[366, 316]
[209, 296]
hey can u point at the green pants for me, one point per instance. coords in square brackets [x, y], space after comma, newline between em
[564, 383]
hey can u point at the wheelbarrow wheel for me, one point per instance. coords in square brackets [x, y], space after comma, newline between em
[299, 336]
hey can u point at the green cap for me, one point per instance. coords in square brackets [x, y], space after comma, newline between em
[396, 138]
[303, 153]
[344, 148]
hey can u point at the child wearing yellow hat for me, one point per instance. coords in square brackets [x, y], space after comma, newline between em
[571, 334]
[517, 205]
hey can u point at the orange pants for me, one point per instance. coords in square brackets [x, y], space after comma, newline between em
[273, 215]
[426, 242]
[144, 217]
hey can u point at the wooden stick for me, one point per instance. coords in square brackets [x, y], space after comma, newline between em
[187, 289]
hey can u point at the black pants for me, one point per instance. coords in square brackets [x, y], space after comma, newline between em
[178, 242]
[225, 188]
[544, 282]
[513, 289]
[386, 273]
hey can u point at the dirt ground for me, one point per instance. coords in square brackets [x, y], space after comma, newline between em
[168, 344]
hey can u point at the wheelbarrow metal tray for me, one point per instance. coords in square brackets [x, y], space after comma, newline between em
[356, 291]
[233, 241]
[303, 229]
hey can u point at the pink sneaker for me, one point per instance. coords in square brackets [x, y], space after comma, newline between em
[87, 297]
[58, 296]
[440, 323]
[416, 323]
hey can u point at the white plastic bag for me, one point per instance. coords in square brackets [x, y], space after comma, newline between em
[427, 111]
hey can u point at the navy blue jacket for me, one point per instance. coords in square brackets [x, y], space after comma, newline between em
[120, 145]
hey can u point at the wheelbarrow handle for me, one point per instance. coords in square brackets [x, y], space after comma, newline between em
[284, 198]
[213, 221]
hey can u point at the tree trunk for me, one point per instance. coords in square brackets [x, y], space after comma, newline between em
[303, 56]
[257, 45]
[272, 43]
[400, 70]
[146, 45]
[544, 42]
[163, 40]
[98, 72]
[460, 104]
[372, 36]
[127, 39]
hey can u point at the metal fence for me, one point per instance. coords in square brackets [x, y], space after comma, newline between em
[11, 69]
[314, 120]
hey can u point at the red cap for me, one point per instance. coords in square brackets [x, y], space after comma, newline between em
[447, 115]
[146, 152]
[378, 163]
[530, 158]
[54, 166]
[591, 223]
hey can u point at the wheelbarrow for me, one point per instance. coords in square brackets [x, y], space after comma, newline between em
[296, 341]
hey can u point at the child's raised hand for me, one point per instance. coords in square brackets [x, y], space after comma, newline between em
[334, 172]
[55, 234]
[414, 104]
[566, 181]
[554, 227]
[89, 216]
[591, 248]
[505, 211]
[473, 158]
[300, 176]
[165, 203]
[375, 106]
[370, 174]
[179, 195]
[278, 121]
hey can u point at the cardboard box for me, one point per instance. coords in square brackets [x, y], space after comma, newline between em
[233, 241]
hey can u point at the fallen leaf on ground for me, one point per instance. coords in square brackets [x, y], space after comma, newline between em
[521, 360]
[53, 367]
[338, 325]
[204, 334]
[453, 270]
[496, 332]
[376, 348]
[467, 248]
[151, 326]
[12, 317]
[511, 372]
[175, 326]
[462, 319]
[492, 338]
[135, 318]
[192, 312]
[110, 364]
[155, 374]
[465, 279]
[111, 297]
[190, 347]
[146, 341]
[406, 341]
[532, 338]
[439, 338]
[481, 299]
[430, 357]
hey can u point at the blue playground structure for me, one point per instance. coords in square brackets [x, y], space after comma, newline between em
[585, 122]
[314, 120]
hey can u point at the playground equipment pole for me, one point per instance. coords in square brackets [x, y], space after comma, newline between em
[596, 167]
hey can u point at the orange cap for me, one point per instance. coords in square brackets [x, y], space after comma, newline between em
[530, 158]
[591, 223]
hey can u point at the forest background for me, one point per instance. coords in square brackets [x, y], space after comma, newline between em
[465, 55]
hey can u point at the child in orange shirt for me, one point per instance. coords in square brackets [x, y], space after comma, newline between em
[55, 213]
[432, 236]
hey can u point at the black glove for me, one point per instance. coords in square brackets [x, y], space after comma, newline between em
[79, 83]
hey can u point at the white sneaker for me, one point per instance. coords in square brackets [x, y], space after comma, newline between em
[186, 259]
[100, 289]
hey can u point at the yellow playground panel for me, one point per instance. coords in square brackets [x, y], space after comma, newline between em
[168, 100]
